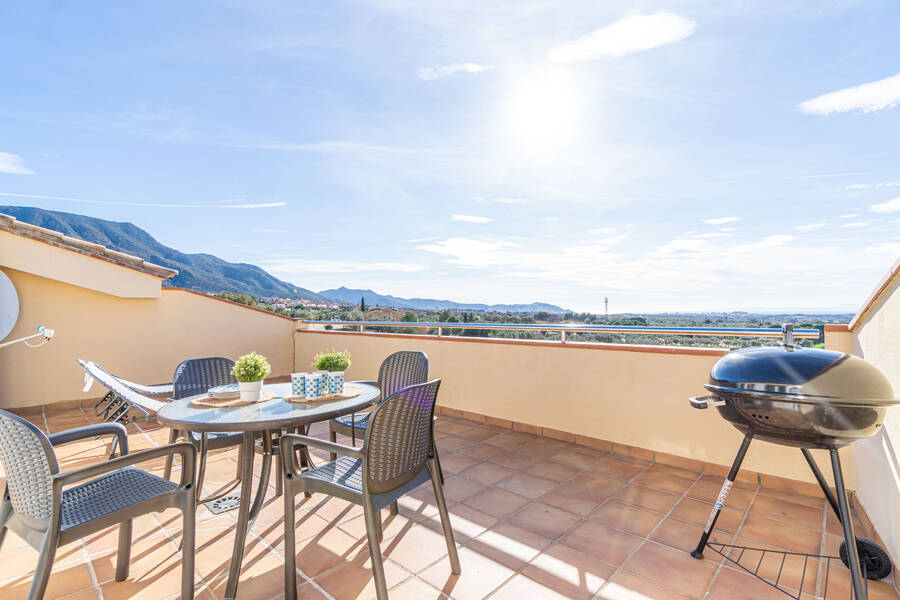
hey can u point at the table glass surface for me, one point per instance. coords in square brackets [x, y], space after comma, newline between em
[271, 414]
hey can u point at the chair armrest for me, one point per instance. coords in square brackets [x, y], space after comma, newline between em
[185, 449]
[289, 443]
[79, 433]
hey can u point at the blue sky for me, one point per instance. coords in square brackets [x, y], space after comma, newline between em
[669, 155]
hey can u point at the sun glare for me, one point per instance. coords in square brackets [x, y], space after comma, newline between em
[542, 111]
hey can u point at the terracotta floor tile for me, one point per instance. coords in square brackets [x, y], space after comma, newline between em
[525, 484]
[627, 518]
[413, 589]
[354, 580]
[673, 470]
[64, 579]
[571, 573]
[327, 550]
[415, 548]
[478, 433]
[552, 470]
[613, 467]
[519, 459]
[466, 522]
[578, 500]
[598, 540]
[457, 489]
[509, 545]
[496, 502]
[145, 555]
[454, 463]
[263, 580]
[520, 587]
[781, 535]
[816, 501]
[698, 512]
[480, 576]
[664, 481]
[510, 440]
[790, 512]
[487, 473]
[645, 497]
[603, 485]
[679, 534]
[672, 568]
[487, 452]
[392, 525]
[574, 459]
[545, 520]
[451, 443]
[627, 586]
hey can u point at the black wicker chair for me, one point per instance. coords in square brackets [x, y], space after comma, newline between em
[396, 457]
[399, 370]
[43, 507]
[196, 376]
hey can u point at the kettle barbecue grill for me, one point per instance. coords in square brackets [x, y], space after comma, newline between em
[810, 399]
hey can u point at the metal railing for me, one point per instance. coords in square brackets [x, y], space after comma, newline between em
[786, 332]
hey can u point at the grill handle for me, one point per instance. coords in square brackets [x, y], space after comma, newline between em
[706, 401]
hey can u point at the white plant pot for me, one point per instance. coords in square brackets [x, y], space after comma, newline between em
[250, 390]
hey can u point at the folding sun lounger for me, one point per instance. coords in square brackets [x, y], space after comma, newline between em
[124, 397]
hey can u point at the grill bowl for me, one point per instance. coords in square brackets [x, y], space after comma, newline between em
[803, 397]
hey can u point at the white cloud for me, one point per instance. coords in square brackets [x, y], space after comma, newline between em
[436, 72]
[865, 186]
[712, 235]
[854, 225]
[849, 215]
[13, 164]
[503, 200]
[218, 204]
[867, 98]
[632, 33]
[268, 230]
[728, 229]
[602, 231]
[769, 241]
[887, 207]
[809, 227]
[551, 219]
[722, 220]
[470, 253]
[471, 219]
[888, 248]
[824, 175]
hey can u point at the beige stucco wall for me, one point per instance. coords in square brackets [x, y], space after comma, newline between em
[139, 339]
[877, 339]
[36, 257]
[634, 398]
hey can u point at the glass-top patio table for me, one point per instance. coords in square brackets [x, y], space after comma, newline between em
[263, 417]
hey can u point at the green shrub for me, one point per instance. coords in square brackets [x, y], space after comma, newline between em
[251, 367]
[332, 360]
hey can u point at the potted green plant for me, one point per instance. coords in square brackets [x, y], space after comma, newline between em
[250, 370]
[332, 361]
[333, 364]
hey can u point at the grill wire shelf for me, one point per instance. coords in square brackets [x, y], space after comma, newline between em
[762, 562]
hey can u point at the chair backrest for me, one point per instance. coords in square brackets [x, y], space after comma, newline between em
[30, 465]
[197, 375]
[118, 386]
[401, 370]
[399, 437]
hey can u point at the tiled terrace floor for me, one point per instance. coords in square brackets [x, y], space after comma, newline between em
[534, 518]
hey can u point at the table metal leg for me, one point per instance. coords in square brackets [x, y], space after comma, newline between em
[248, 510]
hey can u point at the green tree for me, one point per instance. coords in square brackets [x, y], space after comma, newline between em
[239, 298]
[362, 304]
[410, 317]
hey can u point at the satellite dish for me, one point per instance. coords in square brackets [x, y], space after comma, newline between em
[9, 305]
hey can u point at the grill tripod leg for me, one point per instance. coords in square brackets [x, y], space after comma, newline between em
[860, 591]
[723, 494]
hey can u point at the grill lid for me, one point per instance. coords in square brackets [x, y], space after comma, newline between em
[801, 374]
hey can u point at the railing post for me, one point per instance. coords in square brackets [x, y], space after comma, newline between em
[361, 328]
[562, 337]
[439, 331]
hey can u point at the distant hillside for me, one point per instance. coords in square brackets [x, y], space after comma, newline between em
[343, 294]
[201, 272]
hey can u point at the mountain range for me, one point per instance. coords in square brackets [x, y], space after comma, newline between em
[201, 272]
[211, 274]
[343, 294]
